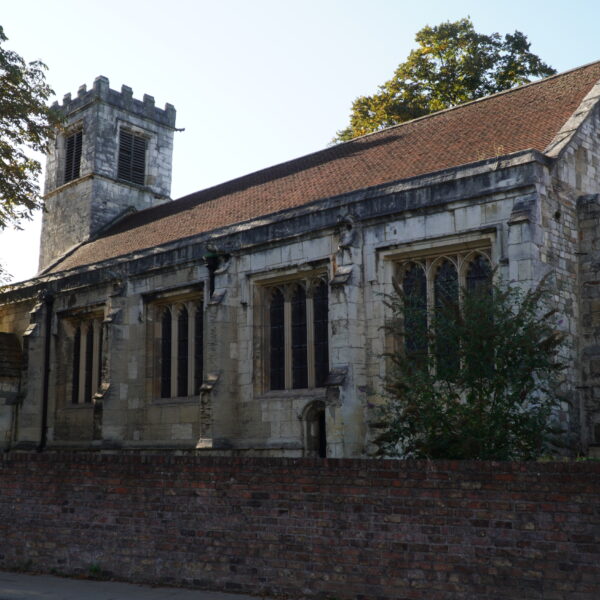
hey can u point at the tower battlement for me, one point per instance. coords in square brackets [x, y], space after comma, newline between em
[123, 100]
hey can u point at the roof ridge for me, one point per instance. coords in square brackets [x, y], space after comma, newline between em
[482, 99]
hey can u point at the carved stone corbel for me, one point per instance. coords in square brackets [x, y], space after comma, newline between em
[333, 384]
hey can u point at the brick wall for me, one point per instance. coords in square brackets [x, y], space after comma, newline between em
[331, 529]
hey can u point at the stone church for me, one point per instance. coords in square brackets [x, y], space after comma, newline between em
[247, 318]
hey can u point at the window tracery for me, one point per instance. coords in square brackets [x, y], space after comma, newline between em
[297, 334]
[179, 363]
[432, 284]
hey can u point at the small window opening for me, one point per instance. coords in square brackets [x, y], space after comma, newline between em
[315, 430]
[132, 157]
[73, 156]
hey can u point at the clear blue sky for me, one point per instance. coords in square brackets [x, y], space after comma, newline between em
[256, 82]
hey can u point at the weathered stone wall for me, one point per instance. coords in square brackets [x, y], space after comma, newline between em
[569, 222]
[354, 242]
[307, 528]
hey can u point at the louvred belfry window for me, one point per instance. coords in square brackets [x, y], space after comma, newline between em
[297, 334]
[132, 157]
[73, 145]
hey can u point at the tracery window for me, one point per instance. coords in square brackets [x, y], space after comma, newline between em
[180, 347]
[297, 334]
[86, 359]
[432, 284]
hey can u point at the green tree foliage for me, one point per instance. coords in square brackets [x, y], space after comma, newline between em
[26, 124]
[479, 382]
[452, 64]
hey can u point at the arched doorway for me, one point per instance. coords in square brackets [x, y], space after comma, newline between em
[315, 433]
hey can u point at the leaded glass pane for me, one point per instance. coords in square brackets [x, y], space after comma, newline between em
[89, 362]
[299, 339]
[277, 342]
[321, 319]
[479, 274]
[165, 354]
[414, 286]
[446, 312]
[182, 352]
[76, 359]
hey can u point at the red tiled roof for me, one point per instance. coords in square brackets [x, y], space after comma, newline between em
[524, 118]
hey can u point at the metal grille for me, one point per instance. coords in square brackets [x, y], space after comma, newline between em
[132, 157]
[73, 156]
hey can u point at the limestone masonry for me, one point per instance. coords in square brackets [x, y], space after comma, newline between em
[247, 318]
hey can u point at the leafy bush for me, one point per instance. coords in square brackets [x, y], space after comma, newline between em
[475, 382]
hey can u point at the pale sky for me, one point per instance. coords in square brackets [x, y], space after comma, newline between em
[256, 82]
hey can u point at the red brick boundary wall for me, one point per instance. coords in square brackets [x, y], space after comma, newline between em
[335, 529]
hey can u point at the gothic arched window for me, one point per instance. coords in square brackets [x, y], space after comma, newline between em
[87, 358]
[298, 346]
[181, 347]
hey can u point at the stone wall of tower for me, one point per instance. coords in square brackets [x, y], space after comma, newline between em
[80, 208]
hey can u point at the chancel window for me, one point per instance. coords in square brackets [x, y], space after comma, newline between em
[432, 286]
[86, 359]
[73, 145]
[180, 347]
[298, 338]
[132, 157]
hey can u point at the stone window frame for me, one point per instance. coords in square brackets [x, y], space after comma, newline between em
[174, 301]
[286, 283]
[136, 132]
[430, 263]
[431, 255]
[88, 321]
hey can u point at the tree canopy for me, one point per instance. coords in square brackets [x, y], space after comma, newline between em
[451, 65]
[26, 125]
[477, 380]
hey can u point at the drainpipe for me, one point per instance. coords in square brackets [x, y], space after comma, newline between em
[48, 304]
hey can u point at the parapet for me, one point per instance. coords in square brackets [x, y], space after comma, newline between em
[123, 100]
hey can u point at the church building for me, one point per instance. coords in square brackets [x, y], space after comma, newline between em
[247, 318]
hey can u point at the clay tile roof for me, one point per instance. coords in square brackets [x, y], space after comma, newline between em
[527, 117]
[10, 355]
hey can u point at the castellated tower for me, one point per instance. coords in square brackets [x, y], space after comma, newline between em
[113, 155]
